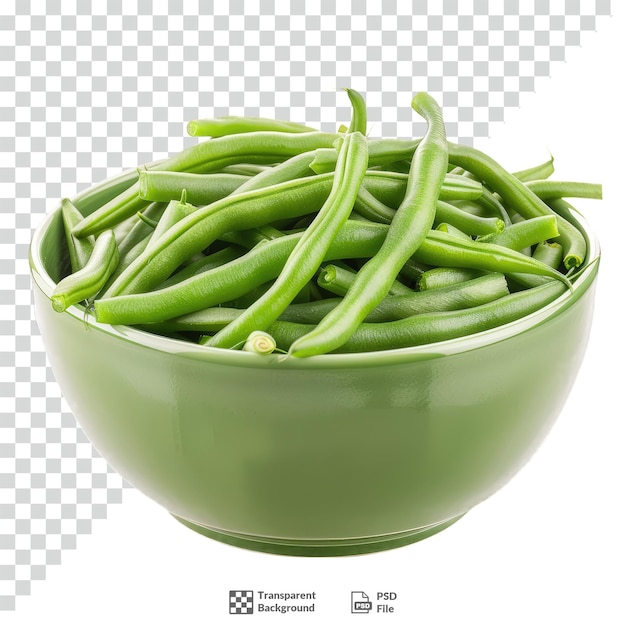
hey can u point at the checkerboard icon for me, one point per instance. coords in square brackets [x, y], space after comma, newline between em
[241, 602]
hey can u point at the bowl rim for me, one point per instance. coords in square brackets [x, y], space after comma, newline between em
[326, 361]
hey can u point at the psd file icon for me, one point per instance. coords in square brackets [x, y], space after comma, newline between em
[360, 602]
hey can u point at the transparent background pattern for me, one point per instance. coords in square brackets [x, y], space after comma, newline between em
[91, 88]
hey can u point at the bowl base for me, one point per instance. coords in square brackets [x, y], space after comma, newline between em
[338, 547]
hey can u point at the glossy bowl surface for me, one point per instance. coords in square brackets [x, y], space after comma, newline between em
[330, 455]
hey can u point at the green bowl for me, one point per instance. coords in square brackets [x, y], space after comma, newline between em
[330, 455]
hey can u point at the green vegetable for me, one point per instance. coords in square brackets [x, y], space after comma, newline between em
[87, 281]
[310, 250]
[408, 229]
[246, 239]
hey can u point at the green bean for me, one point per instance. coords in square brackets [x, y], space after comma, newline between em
[439, 277]
[452, 298]
[469, 294]
[145, 219]
[295, 167]
[430, 327]
[474, 208]
[381, 152]
[412, 270]
[358, 123]
[175, 211]
[407, 231]
[460, 188]
[442, 249]
[359, 240]
[538, 172]
[567, 239]
[145, 225]
[158, 186]
[79, 249]
[249, 170]
[337, 280]
[390, 187]
[310, 251]
[252, 237]
[455, 169]
[548, 189]
[551, 254]
[211, 155]
[468, 223]
[234, 279]
[402, 167]
[234, 125]
[126, 260]
[324, 160]
[367, 205]
[263, 147]
[526, 233]
[373, 209]
[122, 230]
[304, 295]
[209, 262]
[516, 194]
[249, 298]
[253, 208]
[492, 203]
[196, 231]
[444, 227]
[87, 282]
[262, 209]
[259, 343]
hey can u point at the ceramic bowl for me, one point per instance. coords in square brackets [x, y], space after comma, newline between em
[330, 455]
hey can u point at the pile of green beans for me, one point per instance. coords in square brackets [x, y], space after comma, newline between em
[273, 236]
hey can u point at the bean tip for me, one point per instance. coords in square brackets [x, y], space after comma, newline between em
[58, 303]
[572, 261]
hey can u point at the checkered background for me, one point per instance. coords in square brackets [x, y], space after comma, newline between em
[89, 89]
[241, 602]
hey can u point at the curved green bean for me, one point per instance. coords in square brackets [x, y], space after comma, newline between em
[147, 221]
[358, 123]
[295, 167]
[381, 152]
[175, 211]
[87, 282]
[79, 249]
[406, 233]
[310, 250]
[538, 172]
[211, 155]
[517, 194]
[196, 231]
[444, 250]
[452, 298]
[551, 254]
[234, 279]
[430, 327]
